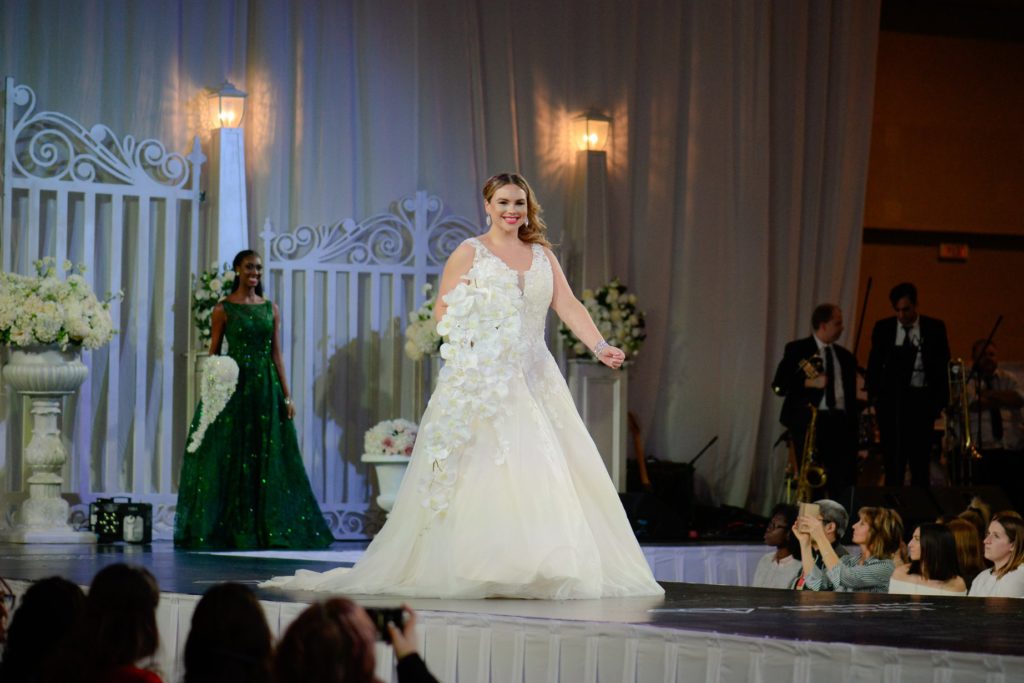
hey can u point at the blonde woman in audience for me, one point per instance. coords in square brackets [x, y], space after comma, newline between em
[970, 559]
[933, 568]
[878, 533]
[1004, 547]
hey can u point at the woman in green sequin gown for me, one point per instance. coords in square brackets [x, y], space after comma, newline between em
[245, 486]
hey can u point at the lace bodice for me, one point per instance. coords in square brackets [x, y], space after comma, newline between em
[532, 291]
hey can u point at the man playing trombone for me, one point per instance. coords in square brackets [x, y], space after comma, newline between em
[817, 372]
[995, 416]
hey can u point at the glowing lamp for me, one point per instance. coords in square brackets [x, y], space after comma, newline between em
[590, 131]
[227, 106]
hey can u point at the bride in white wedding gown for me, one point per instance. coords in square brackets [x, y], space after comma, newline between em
[505, 494]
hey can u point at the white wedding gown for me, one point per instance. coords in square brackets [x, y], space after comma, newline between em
[505, 494]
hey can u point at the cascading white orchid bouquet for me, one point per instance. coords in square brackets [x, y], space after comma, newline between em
[421, 337]
[208, 289]
[42, 309]
[390, 437]
[617, 318]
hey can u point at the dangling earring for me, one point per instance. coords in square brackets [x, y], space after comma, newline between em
[488, 221]
[526, 222]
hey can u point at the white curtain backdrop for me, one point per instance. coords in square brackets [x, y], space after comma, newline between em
[736, 168]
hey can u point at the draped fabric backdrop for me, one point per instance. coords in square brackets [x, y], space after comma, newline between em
[736, 168]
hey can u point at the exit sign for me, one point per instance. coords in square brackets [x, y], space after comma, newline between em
[953, 251]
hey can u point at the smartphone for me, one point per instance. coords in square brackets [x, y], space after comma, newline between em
[810, 510]
[380, 616]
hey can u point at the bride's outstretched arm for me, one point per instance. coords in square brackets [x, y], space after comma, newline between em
[577, 319]
[455, 268]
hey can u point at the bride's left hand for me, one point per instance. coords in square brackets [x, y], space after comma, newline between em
[612, 357]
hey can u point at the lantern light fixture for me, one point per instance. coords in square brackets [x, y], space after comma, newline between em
[227, 106]
[591, 130]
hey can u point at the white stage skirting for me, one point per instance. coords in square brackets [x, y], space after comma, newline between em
[721, 565]
[476, 647]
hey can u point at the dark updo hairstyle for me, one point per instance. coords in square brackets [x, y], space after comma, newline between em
[229, 639]
[939, 561]
[49, 612]
[328, 643]
[239, 257]
[533, 229]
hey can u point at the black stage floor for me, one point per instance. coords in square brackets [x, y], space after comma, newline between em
[994, 625]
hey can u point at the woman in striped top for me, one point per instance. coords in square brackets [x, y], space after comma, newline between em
[878, 533]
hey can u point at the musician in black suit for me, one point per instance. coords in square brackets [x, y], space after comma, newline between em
[833, 392]
[908, 384]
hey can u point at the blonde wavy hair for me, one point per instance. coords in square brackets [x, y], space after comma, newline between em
[886, 530]
[534, 228]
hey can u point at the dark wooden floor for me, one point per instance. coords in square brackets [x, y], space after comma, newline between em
[957, 624]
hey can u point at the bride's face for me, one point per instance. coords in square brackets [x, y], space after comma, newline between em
[507, 208]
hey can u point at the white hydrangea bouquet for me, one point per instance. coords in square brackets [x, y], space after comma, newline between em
[390, 437]
[617, 317]
[220, 377]
[208, 289]
[42, 309]
[421, 337]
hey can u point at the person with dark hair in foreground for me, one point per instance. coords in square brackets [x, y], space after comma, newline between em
[117, 632]
[908, 385]
[333, 642]
[229, 639]
[934, 567]
[49, 611]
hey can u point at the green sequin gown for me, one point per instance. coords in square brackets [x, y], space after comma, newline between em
[245, 486]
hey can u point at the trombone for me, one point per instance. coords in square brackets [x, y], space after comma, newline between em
[959, 449]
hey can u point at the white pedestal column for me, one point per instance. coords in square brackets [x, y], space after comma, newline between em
[45, 375]
[601, 395]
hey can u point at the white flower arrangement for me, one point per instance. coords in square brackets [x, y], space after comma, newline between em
[617, 318]
[421, 337]
[208, 289]
[481, 327]
[220, 377]
[390, 437]
[43, 309]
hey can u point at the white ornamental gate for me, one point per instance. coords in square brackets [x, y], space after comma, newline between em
[344, 292]
[129, 211]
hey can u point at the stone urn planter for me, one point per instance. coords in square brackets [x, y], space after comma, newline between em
[45, 375]
[390, 470]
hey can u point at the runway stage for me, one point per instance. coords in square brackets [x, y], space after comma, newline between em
[696, 633]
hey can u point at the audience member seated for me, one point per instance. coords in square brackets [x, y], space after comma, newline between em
[779, 568]
[834, 520]
[977, 519]
[877, 533]
[229, 639]
[968, 550]
[49, 610]
[933, 568]
[333, 642]
[117, 632]
[1004, 548]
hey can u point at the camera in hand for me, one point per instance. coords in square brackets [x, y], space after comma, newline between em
[380, 616]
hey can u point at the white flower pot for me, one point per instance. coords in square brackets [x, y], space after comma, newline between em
[390, 470]
[45, 374]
